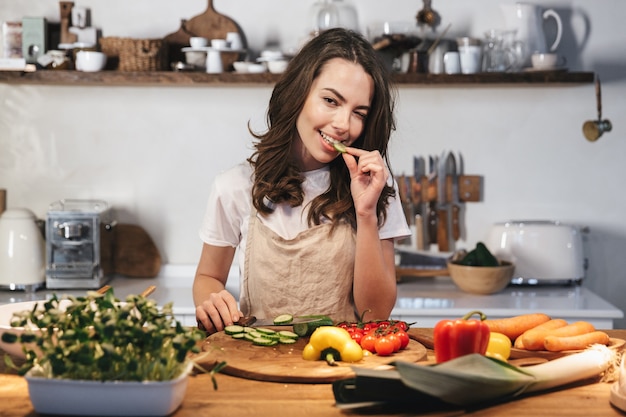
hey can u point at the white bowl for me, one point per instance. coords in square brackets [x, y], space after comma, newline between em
[90, 61]
[6, 314]
[115, 398]
[198, 42]
[277, 67]
[256, 68]
[196, 58]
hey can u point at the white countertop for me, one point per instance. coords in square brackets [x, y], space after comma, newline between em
[421, 300]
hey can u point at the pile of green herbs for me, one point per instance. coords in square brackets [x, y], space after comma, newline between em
[97, 337]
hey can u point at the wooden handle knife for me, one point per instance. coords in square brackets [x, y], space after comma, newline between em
[456, 227]
[442, 230]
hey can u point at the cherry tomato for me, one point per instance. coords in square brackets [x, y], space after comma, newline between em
[368, 343]
[397, 343]
[357, 336]
[402, 325]
[404, 338]
[384, 346]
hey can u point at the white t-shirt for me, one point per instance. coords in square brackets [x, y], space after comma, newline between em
[228, 210]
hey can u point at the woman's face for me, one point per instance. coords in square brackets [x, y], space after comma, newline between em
[336, 108]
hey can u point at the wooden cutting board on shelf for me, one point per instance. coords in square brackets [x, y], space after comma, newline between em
[284, 363]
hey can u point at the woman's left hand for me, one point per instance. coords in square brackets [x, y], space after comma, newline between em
[368, 175]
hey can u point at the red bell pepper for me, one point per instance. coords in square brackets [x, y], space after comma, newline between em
[454, 338]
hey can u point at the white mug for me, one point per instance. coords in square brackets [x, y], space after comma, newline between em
[233, 39]
[214, 61]
[218, 43]
[452, 62]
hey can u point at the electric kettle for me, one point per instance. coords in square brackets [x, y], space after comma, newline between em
[22, 251]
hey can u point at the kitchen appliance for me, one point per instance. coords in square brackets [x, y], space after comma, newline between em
[22, 248]
[79, 244]
[543, 251]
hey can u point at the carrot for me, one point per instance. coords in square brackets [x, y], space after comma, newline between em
[578, 342]
[533, 339]
[514, 326]
[518, 344]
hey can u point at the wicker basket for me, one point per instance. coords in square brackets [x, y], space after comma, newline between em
[127, 54]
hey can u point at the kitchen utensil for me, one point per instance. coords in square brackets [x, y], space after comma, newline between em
[452, 62]
[528, 20]
[456, 208]
[284, 363]
[543, 251]
[252, 321]
[148, 291]
[214, 63]
[547, 61]
[419, 205]
[135, 254]
[442, 206]
[426, 15]
[178, 40]
[90, 61]
[22, 251]
[593, 129]
[432, 208]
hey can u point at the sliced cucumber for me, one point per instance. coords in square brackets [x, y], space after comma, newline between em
[241, 335]
[283, 319]
[287, 334]
[247, 329]
[263, 330]
[249, 336]
[264, 341]
[305, 329]
[233, 329]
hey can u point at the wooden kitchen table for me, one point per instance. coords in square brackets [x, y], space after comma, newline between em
[241, 397]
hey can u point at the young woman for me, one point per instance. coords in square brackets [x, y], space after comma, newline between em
[315, 227]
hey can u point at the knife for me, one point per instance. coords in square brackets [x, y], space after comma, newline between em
[419, 209]
[252, 321]
[456, 227]
[442, 205]
[432, 207]
[405, 201]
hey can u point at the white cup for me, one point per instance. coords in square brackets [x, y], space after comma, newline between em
[547, 61]
[90, 61]
[452, 62]
[214, 62]
[233, 39]
[470, 57]
[219, 44]
[198, 42]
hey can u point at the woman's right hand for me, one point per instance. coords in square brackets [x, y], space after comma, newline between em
[218, 311]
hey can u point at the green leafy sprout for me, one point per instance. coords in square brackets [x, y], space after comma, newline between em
[97, 337]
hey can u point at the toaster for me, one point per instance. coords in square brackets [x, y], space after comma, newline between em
[543, 251]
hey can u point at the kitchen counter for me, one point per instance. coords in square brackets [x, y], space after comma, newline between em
[423, 301]
[242, 397]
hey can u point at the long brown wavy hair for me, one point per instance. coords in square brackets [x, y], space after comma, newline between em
[278, 178]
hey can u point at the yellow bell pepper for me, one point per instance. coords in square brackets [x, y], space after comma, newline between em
[499, 346]
[332, 344]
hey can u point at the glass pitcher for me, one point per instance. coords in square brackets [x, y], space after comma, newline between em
[497, 56]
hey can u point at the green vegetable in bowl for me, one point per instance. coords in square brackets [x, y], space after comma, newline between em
[480, 256]
[97, 337]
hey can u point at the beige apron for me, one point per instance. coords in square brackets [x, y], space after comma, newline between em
[310, 274]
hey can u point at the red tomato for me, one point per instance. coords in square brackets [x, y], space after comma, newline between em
[397, 343]
[404, 338]
[357, 336]
[402, 325]
[384, 346]
[368, 343]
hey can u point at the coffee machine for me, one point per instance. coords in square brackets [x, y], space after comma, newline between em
[79, 244]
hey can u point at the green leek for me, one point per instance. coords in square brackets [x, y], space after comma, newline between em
[474, 378]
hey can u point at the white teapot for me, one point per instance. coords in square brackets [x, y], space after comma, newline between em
[527, 19]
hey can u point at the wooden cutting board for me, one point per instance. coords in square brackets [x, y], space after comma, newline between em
[284, 363]
[135, 254]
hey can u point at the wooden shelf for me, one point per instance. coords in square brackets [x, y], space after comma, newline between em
[169, 78]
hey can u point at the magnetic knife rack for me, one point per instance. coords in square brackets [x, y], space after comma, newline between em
[425, 190]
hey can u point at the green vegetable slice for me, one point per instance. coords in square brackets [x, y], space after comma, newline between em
[288, 334]
[233, 329]
[287, 340]
[264, 341]
[339, 147]
[283, 319]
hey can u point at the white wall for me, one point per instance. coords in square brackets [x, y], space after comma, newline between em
[153, 151]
